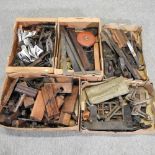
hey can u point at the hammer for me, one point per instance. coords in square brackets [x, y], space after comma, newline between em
[26, 91]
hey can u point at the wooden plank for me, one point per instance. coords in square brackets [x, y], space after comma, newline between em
[64, 118]
[38, 20]
[78, 20]
[49, 100]
[66, 87]
[124, 27]
[52, 102]
[119, 38]
[76, 63]
[64, 79]
[40, 70]
[60, 101]
[28, 102]
[8, 94]
[70, 101]
[97, 57]
[38, 108]
[2, 118]
[45, 98]
[63, 50]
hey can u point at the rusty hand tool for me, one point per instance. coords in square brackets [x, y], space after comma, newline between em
[71, 51]
[26, 91]
[80, 51]
[120, 37]
[109, 40]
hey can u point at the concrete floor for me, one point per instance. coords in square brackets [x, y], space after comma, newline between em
[122, 11]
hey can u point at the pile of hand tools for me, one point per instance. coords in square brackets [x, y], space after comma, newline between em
[117, 105]
[122, 51]
[35, 45]
[41, 102]
[77, 49]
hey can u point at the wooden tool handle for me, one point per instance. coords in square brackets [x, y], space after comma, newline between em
[19, 103]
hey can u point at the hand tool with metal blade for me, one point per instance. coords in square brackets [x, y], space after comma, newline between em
[26, 91]
[107, 36]
[76, 62]
[80, 51]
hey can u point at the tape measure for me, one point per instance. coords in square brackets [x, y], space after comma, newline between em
[86, 39]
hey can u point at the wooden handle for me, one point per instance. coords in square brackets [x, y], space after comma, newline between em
[19, 103]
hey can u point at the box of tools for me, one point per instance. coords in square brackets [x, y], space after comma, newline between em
[76, 74]
[79, 50]
[42, 102]
[124, 100]
[34, 46]
[63, 46]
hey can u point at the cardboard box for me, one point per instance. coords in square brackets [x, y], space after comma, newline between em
[81, 23]
[10, 69]
[135, 29]
[137, 33]
[7, 82]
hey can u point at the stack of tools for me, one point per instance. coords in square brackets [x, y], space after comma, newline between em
[41, 102]
[35, 45]
[122, 51]
[77, 49]
[117, 104]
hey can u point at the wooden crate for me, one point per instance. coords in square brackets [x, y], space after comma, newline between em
[10, 69]
[144, 77]
[149, 110]
[95, 75]
[135, 29]
[8, 80]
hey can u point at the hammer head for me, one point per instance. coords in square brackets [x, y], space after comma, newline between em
[26, 90]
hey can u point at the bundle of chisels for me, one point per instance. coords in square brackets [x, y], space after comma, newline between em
[117, 104]
[77, 49]
[35, 45]
[41, 102]
[122, 51]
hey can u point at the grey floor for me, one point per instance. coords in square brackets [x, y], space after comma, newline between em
[141, 12]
